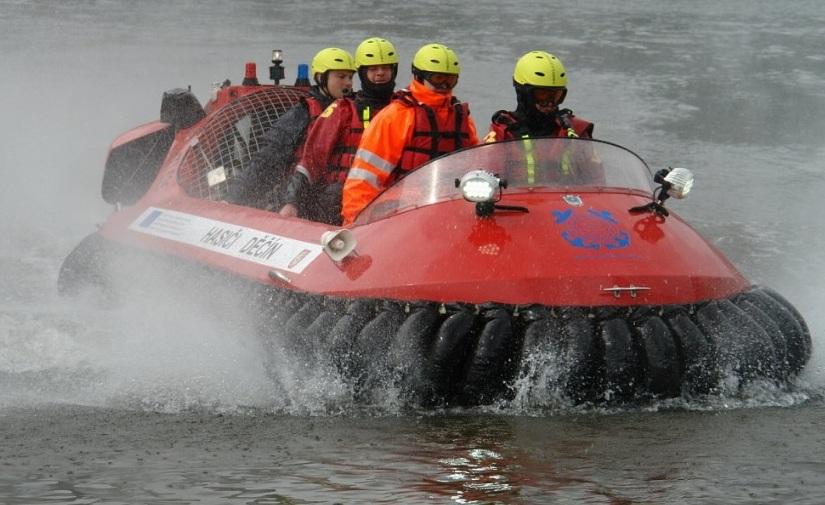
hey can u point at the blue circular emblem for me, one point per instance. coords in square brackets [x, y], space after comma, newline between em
[591, 229]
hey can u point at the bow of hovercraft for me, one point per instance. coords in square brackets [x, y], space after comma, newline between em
[556, 258]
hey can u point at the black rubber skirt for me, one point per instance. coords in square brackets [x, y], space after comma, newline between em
[460, 354]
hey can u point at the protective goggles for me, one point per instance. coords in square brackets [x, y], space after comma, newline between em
[548, 96]
[442, 81]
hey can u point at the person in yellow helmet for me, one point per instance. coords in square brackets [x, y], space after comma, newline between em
[261, 184]
[540, 81]
[422, 122]
[332, 69]
[315, 186]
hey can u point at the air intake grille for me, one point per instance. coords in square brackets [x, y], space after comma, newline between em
[229, 139]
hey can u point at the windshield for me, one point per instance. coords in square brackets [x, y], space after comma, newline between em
[546, 164]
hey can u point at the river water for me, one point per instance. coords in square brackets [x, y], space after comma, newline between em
[155, 402]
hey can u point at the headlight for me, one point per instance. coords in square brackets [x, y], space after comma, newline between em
[478, 186]
[680, 181]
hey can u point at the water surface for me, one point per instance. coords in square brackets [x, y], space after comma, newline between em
[156, 402]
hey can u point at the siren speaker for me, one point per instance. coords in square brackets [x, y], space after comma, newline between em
[338, 244]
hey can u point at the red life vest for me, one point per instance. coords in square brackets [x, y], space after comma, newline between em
[344, 152]
[429, 139]
[314, 107]
[507, 125]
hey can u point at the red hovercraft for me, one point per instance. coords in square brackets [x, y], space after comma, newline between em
[551, 260]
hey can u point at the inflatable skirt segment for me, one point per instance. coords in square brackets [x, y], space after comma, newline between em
[457, 354]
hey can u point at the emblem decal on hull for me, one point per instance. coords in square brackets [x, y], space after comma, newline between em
[231, 240]
[591, 229]
[573, 200]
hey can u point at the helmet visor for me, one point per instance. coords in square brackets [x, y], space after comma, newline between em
[442, 81]
[547, 96]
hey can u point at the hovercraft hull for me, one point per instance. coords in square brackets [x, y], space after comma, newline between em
[574, 293]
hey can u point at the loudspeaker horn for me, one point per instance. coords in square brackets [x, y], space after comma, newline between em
[338, 244]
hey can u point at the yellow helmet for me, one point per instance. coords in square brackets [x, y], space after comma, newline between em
[375, 51]
[332, 58]
[538, 68]
[436, 58]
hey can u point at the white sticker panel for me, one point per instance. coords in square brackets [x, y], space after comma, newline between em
[232, 240]
[216, 176]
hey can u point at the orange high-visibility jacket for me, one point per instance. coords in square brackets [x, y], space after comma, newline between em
[376, 163]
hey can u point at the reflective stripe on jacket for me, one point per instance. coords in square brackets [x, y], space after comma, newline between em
[431, 138]
[332, 141]
[378, 161]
